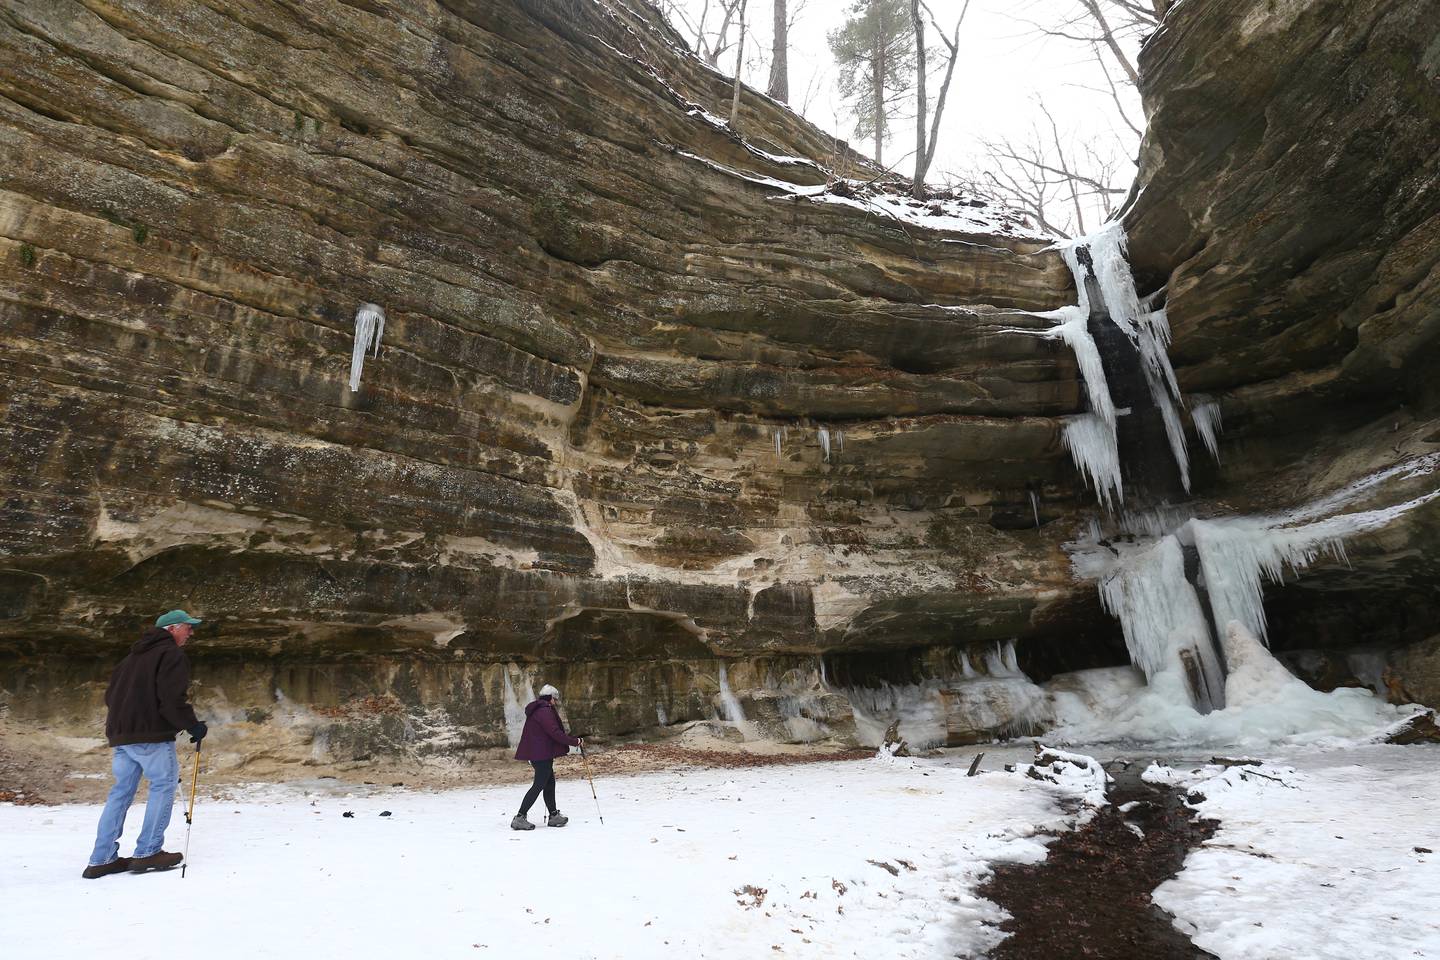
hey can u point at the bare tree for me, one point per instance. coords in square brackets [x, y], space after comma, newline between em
[925, 148]
[779, 86]
[1052, 183]
[710, 42]
[1109, 24]
[1061, 182]
[739, 66]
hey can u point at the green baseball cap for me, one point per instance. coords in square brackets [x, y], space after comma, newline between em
[176, 616]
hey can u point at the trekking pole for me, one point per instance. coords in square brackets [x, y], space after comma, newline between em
[584, 762]
[190, 811]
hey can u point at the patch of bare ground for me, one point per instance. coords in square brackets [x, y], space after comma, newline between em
[1090, 897]
[37, 766]
[642, 757]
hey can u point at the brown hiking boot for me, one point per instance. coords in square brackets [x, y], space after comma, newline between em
[156, 861]
[98, 870]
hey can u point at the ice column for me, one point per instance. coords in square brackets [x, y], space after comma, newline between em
[1165, 627]
[514, 709]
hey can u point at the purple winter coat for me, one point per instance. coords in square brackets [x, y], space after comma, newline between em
[543, 737]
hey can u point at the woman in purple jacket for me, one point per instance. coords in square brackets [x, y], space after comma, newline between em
[543, 739]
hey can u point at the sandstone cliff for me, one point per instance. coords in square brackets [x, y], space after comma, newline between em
[647, 397]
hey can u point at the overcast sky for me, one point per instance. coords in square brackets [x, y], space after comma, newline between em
[1004, 65]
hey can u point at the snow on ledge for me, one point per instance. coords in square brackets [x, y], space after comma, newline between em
[945, 216]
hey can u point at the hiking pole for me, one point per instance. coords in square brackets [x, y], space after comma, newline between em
[190, 812]
[584, 762]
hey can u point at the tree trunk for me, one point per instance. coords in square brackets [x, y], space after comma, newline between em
[739, 63]
[779, 59]
[917, 188]
[877, 82]
[954, 46]
[1093, 7]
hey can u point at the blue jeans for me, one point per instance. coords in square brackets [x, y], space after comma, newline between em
[156, 761]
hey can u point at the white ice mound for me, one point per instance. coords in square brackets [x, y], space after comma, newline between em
[1256, 678]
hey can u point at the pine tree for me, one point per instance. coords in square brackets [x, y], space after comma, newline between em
[875, 54]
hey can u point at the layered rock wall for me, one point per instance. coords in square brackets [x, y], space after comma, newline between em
[650, 400]
[601, 307]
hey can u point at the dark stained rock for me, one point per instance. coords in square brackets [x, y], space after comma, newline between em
[1288, 199]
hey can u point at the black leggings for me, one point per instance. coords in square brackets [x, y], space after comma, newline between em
[544, 781]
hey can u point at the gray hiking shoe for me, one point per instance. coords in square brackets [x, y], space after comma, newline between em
[520, 823]
[556, 819]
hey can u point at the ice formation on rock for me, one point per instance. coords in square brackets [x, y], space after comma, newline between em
[1147, 587]
[1205, 413]
[514, 706]
[730, 708]
[1264, 703]
[369, 326]
[1091, 442]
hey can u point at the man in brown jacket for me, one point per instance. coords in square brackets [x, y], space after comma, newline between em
[148, 706]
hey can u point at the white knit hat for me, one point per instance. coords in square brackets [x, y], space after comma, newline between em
[548, 691]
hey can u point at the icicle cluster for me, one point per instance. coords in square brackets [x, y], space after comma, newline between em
[1148, 329]
[369, 326]
[1095, 445]
[831, 441]
[1091, 442]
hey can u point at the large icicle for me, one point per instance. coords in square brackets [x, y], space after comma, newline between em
[1091, 442]
[1146, 587]
[1239, 554]
[1205, 413]
[369, 326]
[514, 706]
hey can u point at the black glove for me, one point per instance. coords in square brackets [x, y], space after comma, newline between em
[197, 732]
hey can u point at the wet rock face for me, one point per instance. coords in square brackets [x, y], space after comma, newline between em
[1288, 188]
[1291, 200]
[598, 317]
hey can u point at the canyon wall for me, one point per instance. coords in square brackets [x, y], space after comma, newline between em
[649, 399]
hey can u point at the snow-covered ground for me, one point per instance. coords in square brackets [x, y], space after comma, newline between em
[1319, 855]
[869, 859]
